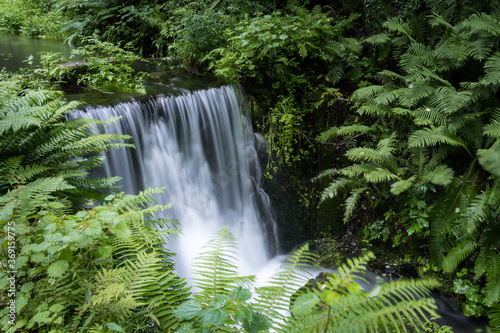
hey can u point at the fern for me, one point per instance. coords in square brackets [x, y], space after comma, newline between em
[32, 122]
[490, 159]
[273, 300]
[335, 187]
[492, 70]
[434, 136]
[341, 305]
[215, 270]
[344, 130]
[458, 254]
[351, 201]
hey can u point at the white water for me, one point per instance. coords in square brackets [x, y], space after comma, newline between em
[202, 148]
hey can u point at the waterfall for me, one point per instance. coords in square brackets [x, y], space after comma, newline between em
[201, 146]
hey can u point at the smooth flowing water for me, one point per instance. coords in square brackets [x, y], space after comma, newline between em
[202, 148]
[15, 50]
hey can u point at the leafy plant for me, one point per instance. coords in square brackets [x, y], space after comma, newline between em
[134, 21]
[222, 300]
[72, 269]
[33, 131]
[105, 266]
[31, 18]
[446, 121]
[108, 67]
[339, 304]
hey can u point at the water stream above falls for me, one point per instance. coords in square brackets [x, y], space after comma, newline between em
[201, 146]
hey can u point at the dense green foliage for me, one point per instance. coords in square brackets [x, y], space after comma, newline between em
[438, 126]
[102, 66]
[36, 142]
[339, 304]
[97, 267]
[391, 107]
[32, 18]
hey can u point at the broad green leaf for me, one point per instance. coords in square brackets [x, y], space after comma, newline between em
[27, 287]
[188, 310]
[244, 295]
[211, 316]
[56, 308]
[304, 304]
[57, 268]
[66, 255]
[114, 327]
[259, 322]
[21, 302]
[242, 313]
[218, 301]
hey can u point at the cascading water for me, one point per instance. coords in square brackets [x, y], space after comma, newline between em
[202, 148]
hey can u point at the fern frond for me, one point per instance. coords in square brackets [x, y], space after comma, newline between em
[375, 109]
[367, 93]
[440, 175]
[402, 185]
[161, 289]
[478, 49]
[455, 50]
[458, 254]
[387, 76]
[493, 280]
[492, 129]
[415, 93]
[448, 210]
[483, 24]
[215, 269]
[419, 55]
[351, 201]
[47, 185]
[366, 155]
[397, 24]
[378, 39]
[335, 187]
[273, 300]
[335, 73]
[340, 305]
[492, 70]
[490, 158]
[379, 174]
[450, 101]
[429, 137]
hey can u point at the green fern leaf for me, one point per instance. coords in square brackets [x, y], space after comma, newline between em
[402, 185]
[334, 188]
[351, 201]
[273, 300]
[458, 254]
[429, 137]
[483, 24]
[490, 158]
[440, 175]
[378, 39]
[492, 70]
[493, 280]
